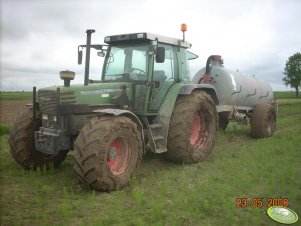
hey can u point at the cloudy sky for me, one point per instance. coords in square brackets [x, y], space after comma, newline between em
[39, 38]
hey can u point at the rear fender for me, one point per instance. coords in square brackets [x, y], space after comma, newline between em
[210, 89]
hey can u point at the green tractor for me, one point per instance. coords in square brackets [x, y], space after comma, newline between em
[144, 101]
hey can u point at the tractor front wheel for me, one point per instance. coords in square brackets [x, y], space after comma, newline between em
[21, 141]
[107, 151]
[193, 128]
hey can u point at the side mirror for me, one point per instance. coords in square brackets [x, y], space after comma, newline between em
[80, 57]
[160, 55]
[101, 54]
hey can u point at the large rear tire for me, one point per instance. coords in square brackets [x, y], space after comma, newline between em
[107, 151]
[263, 121]
[193, 128]
[21, 140]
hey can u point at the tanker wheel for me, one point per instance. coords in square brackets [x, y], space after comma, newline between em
[193, 128]
[21, 141]
[107, 151]
[263, 121]
[223, 120]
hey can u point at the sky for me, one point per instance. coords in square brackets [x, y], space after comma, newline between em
[39, 38]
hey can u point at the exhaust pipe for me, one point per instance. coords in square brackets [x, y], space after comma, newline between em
[87, 65]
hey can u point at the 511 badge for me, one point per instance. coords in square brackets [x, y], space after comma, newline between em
[282, 215]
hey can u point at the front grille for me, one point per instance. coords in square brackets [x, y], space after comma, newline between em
[78, 121]
[68, 98]
[47, 101]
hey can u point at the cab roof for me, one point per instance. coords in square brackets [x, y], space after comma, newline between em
[135, 37]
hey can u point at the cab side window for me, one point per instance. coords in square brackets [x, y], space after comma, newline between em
[166, 71]
[165, 74]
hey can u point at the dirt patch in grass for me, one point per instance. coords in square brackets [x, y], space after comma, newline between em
[9, 110]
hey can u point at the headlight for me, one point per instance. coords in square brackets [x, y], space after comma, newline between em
[54, 118]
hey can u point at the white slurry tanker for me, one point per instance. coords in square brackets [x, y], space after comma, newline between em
[247, 99]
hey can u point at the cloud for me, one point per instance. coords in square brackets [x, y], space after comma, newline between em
[40, 38]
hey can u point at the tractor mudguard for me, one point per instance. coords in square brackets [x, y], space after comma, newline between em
[184, 89]
[210, 89]
[118, 112]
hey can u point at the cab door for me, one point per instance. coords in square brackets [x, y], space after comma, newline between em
[164, 76]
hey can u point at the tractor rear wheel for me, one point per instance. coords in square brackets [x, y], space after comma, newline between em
[193, 128]
[107, 151]
[21, 141]
[263, 121]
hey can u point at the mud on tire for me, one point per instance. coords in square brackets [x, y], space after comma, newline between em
[107, 151]
[21, 141]
[263, 121]
[193, 128]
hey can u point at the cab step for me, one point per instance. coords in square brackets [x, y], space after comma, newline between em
[155, 126]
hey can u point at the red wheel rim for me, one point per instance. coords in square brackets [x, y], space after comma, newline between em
[199, 132]
[118, 156]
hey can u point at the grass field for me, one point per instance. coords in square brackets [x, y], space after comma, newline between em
[15, 95]
[4, 129]
[163, 193]
[286, 95]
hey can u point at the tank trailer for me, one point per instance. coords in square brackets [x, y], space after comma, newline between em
[144, 99]
[241, 98]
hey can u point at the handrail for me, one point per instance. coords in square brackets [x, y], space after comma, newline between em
[265, 95]
[252, 94]
[238, 90]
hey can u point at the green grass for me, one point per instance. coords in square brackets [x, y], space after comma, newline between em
[286, 95]
[163, 193]
[15, 95]
[4, 129]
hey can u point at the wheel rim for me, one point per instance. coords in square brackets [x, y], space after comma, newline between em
[270, 125]
[199, 132]
[118, 156]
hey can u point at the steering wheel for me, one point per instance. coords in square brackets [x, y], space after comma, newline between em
[137, 69]
[170, 79]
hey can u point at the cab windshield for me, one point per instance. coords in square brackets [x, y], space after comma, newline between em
[126, 63]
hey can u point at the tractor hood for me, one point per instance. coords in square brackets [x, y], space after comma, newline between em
[93, 94]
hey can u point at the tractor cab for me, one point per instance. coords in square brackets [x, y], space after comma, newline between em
[148, 65]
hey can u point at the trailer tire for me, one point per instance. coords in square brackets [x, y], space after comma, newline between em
[263, 121]
[21, 141]
[223, 120]
[107, 152]
[193, 128]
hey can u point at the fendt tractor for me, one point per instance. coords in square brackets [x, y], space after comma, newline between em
[145, 99]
